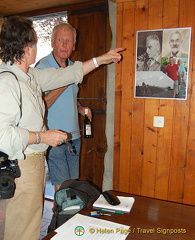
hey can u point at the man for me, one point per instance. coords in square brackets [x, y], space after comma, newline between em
[23, 135]
[175, 43]
[182, 70]
[63, 108]
[172, 71]
[150, 60]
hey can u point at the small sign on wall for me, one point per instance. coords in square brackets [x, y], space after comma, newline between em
[162, 63]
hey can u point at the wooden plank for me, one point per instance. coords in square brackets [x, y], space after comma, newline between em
[189, 180]
[155, 14]
[138, 111]
[171, 14]
[118, 93]
[180, 120]
[150, 144]
[99, 91]
[1, 21]
[127, 95]
[178, 159]
[165, 107]
[135, 178]
[164, 146]
[150, 133]
[35, 7]
[124, 1]
[163, 134]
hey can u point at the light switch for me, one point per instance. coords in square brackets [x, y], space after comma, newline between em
[158, 121]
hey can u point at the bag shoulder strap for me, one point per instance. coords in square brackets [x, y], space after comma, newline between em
[11, 73]
[19, 88]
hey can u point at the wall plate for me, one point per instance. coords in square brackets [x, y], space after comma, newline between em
[158, 121]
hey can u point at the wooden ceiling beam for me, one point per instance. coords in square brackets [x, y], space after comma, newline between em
[37, 7]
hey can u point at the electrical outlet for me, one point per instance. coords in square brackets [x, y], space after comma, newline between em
[158, 121]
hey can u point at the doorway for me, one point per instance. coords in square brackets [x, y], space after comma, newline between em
[43, 26]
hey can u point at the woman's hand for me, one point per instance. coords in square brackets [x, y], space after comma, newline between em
[50, 137]
[53, 137]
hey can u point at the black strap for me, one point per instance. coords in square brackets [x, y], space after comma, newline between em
[11, 73]
[19, 87]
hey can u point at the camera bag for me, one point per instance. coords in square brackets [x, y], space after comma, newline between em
[72, 196]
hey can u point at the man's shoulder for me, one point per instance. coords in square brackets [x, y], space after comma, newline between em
[45, 62]
[180, 54]
[183, 54]
[167, 66]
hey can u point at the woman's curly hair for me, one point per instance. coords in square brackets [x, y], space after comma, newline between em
[16, 34]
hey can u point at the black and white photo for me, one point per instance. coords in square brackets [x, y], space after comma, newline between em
[162, 62]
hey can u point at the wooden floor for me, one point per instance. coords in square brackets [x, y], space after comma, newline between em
[47, 214]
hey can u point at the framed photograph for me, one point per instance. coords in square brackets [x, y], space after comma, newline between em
[162, 63]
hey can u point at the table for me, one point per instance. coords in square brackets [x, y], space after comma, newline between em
[152, 219]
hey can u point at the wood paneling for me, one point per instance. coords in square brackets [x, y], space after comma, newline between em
[14, 7]
[92, 26]
[1, 21]
[150, 161]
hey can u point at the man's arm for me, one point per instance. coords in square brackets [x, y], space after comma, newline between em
[178, 73]
[51, 97]
[109, 57]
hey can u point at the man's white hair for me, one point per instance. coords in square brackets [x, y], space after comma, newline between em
[64, 26]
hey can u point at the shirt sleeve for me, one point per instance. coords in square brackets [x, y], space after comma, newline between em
[13, 139]
[52, 78]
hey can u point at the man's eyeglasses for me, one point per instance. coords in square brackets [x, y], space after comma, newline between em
[72, 150]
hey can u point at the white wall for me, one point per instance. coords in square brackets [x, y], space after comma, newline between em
[108, 160]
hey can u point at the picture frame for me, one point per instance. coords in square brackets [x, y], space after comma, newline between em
[162, 63]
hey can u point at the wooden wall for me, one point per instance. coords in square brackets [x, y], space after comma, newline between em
[150, 161]
[1, 21]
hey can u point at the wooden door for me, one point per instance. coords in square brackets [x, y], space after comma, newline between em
[1, 21]
[93, 31]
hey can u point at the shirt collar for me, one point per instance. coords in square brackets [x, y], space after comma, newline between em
[67, 60]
